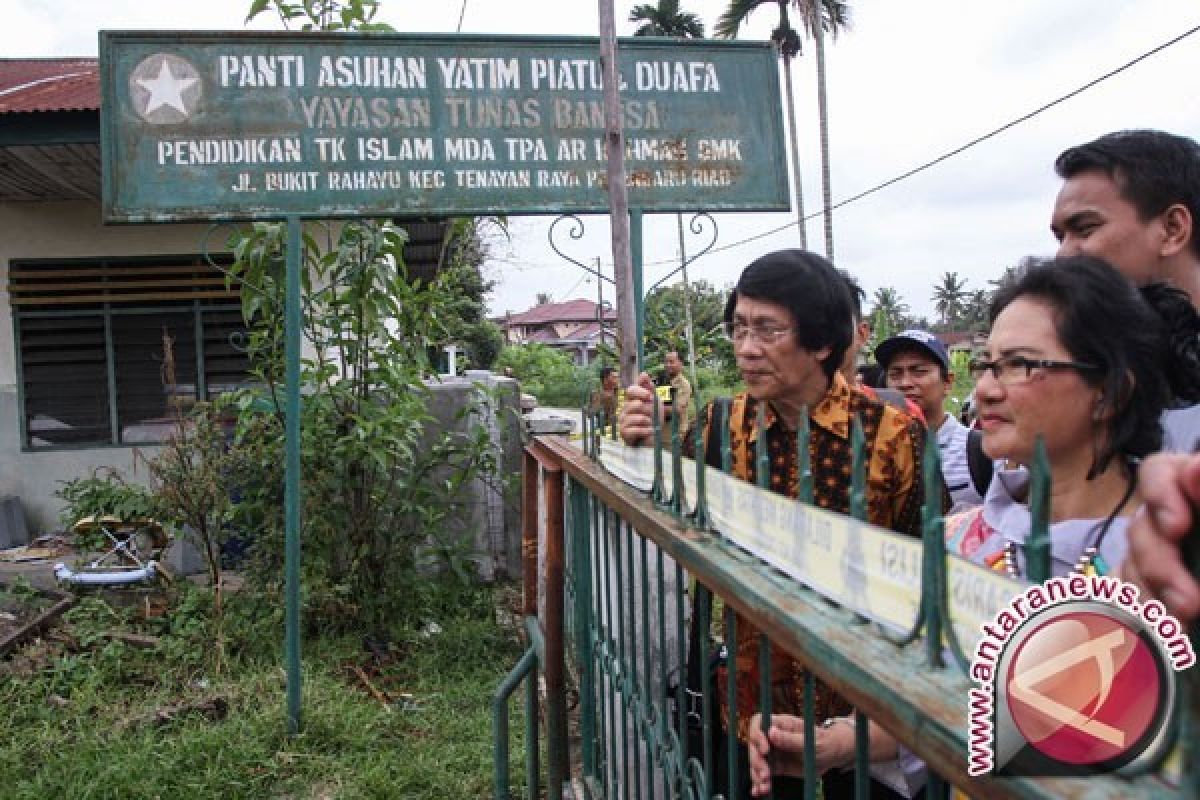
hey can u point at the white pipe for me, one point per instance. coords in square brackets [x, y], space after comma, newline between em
[113, 578]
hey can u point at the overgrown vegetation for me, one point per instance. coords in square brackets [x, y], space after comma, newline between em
[89, 714]
[181, 693]
[549, 374]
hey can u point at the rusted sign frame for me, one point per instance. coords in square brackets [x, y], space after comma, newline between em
[761, 186]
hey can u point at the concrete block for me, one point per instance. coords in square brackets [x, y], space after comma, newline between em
[184, 556]
[13, 532]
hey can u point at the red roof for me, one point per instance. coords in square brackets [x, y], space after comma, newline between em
[49, 84]
[951, 338]
[578, 310]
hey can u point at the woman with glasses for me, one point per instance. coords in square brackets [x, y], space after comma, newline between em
[1080, 358]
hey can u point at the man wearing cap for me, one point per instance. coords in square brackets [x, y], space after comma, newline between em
[915, 363]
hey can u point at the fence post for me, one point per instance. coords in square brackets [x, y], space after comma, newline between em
[529, 535]
[557, 750]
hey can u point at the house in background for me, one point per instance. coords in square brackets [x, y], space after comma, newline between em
[574, 326]
[90, 312]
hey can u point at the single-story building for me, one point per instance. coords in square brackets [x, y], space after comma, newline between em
[92, 314]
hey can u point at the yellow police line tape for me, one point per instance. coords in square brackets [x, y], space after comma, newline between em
[873, 571]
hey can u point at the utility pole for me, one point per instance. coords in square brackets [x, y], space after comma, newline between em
[618, 199]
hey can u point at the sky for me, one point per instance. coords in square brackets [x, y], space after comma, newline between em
[908, 83]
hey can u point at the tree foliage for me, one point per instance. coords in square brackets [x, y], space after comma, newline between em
[834, 16]
[547, 373]
[666, 19]
[666, 328]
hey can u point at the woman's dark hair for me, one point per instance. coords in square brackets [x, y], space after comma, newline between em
[1143, 343]
[812, 291]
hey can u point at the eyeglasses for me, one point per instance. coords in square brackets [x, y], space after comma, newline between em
[1011, 370]
[767, 334]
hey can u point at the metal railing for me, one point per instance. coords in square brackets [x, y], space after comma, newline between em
[621, 541]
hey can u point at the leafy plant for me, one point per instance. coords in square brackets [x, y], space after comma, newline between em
[383, 488]
[195, 475]
[104, 493]
[547, 373]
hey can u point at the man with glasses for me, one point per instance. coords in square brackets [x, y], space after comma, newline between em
[916, 364]
[791, 321]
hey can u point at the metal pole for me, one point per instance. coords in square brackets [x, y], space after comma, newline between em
[639, 292]
[291, 483]
[554, 669]
[687, 305]
[628, 337]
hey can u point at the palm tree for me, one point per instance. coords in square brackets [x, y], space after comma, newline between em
[833, 16]
[888, 307]
[975, 310]
[948, 298]
[666, 19]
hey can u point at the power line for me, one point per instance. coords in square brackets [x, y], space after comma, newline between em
[951, 153]
[462, 12]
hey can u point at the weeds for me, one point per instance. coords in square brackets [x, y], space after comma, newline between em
[103, 719]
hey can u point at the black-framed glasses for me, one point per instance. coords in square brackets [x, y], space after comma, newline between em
[767, 334]
[1009, 370]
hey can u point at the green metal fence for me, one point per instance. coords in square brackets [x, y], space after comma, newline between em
[616, 563]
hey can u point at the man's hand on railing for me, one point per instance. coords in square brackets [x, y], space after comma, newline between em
[781, 752]
[1170, 486]
[636, 422]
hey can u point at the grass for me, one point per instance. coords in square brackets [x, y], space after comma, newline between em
[84, 715]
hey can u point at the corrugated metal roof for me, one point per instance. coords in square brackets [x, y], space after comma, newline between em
[49, 84]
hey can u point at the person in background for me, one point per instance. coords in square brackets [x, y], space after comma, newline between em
[790, 320]
[1132, 198]
[604, 399]
[915, 363]
[681, 391]
[851, 370]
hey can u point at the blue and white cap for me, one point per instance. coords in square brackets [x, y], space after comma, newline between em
[906, 339]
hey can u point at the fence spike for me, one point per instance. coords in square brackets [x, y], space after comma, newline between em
[676, 468]
[658, 493]
[726, 447]
[1037, 548]
[804, 492]
[933, 563]
[762, 459]
[700, 515]
[858, 470]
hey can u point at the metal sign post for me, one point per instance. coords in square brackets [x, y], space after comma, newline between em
[292, 498]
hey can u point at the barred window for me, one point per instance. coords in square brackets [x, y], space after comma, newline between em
[97, 341]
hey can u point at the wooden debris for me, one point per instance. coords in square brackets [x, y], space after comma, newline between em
[370, 687]
[138, 640]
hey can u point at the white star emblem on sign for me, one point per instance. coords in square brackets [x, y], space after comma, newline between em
[165, 90]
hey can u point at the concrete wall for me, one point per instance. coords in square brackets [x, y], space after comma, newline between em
[34, 476]
[65, 229]
[72, 229]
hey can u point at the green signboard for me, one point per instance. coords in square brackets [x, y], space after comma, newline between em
[201, 126]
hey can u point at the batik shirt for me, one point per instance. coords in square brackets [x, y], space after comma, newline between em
[893, 494]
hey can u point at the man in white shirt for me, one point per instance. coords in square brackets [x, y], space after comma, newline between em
[915, 363]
